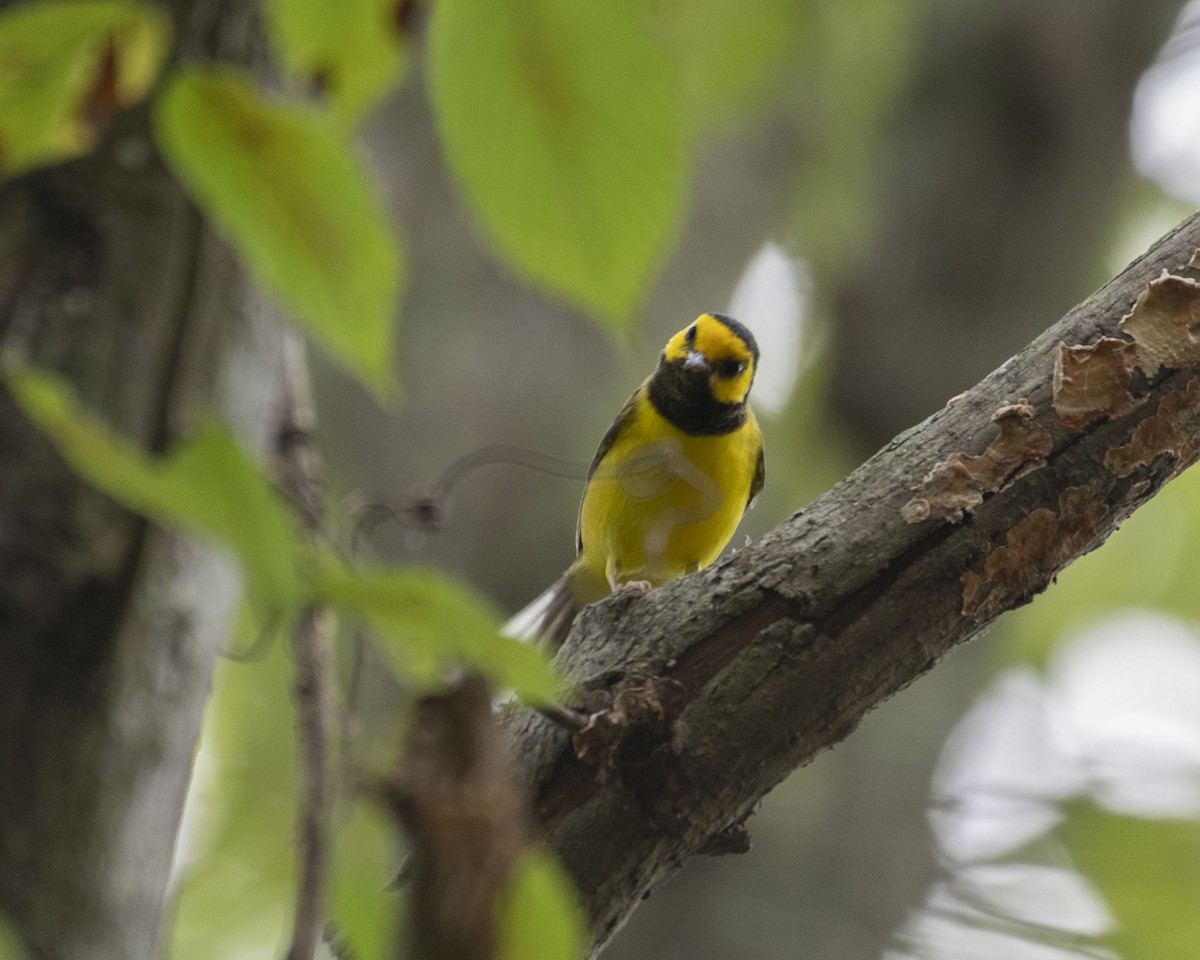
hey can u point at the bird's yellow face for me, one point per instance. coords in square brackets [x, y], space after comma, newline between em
[719, 348]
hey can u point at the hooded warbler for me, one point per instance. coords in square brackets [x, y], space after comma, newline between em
[672, 477]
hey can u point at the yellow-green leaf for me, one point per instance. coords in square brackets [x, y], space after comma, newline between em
[427, 622]
[10, 944]
[282, 184]
[366, 856]
[205, 483]
[562, 124]
[66, 67]
[352, 49]
[538, 916]
[752, 51]
[237, 866]
[1148, 872]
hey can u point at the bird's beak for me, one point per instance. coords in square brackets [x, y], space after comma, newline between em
[696, 361]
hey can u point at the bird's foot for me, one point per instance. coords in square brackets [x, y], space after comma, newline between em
[632, 586]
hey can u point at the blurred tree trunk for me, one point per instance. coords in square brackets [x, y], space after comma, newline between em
[1006, 173]
[108, 626]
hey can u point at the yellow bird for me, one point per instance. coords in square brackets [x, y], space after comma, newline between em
[672, 477]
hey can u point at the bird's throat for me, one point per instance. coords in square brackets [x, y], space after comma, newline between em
[685, 401]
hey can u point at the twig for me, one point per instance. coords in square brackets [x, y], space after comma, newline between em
[349, 720]
[310, 641]
[300, 473]
[566, 717]
[427, 509]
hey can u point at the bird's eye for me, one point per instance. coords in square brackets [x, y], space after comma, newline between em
[728, 369]
[690, 336]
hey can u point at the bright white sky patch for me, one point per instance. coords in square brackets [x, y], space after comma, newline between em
[1129, 687]
[1046, 896]
[771, 298]
[1117, 718]
[1114, 719]
[1165, 126]
[957, 924]
[1001, 774]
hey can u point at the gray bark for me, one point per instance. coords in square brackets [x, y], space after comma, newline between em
[715, 687]
[109, 626]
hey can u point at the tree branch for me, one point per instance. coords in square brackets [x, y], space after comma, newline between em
[717, 686]
[455, 796]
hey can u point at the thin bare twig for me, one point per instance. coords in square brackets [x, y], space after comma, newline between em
[300, 472]
[426, 509]
[310, 641]
[566, 717]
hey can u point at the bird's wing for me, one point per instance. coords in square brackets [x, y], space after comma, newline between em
[760, 477]
[606, 443]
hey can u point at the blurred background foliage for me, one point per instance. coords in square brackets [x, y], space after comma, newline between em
[896, 195]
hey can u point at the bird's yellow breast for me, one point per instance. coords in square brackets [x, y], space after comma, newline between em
[662, 503]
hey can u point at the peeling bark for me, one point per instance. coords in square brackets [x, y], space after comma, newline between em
[1165, 323]
[756, 665]
[958, 485]
[1093, 381]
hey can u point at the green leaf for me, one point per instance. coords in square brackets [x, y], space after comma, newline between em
[562, 124]
[66, 67]
[206, 484]
[427, 621]
[353, 49]
[1148, 872]
[283, 186]
[237, 867]
[753, 52]
[366, 856]
[538, 915]
[10, 943]
[844, 113]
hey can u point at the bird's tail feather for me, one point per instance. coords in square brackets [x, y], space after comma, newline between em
[547, 619]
